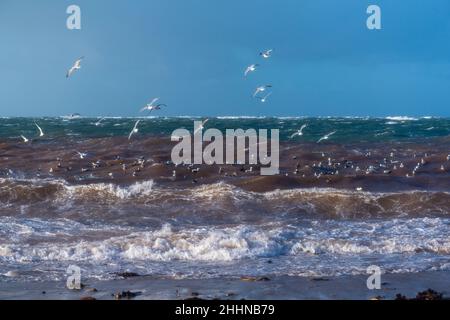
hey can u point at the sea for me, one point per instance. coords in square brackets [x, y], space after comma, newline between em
[376, 192]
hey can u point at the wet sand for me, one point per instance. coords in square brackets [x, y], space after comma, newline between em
[279, 288]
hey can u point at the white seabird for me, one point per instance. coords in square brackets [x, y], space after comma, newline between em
[82, 154]
[266, 54]
[202, 126]
[41, 133]
[135, 129]
[99, 121]
[261, 89]
[264, 99]
[24, 139]
[76, 66]
[251, 68]
[299, 132]
[326, 137]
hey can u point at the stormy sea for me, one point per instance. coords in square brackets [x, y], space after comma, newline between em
[375, 192]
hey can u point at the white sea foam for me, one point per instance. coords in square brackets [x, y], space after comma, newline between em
[401, 118]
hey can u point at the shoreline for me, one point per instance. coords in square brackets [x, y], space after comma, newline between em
[277, 288]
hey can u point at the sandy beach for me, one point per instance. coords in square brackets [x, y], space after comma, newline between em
[278, 288]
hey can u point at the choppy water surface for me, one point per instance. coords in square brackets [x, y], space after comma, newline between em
[336, 208]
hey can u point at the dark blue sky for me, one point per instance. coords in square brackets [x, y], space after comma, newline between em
[192, 54]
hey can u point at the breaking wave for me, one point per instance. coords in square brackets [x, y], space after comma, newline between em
[222, 196]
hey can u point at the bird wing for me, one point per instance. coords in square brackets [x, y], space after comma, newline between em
[69, 72]
[41, 133]
[154, 101]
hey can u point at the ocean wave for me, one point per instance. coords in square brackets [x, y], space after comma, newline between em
[223, 197]
[216, 244]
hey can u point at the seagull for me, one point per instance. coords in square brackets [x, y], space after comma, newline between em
[251, 68]
[151, 108]
[24, 139]
[201, 126]
[82, 155]
[99, 121]
[264, 99]
[266, 54]
[326, 137]
[299, 132]
[41, 133]
[135, 129]
[76, 66]
[261, 89]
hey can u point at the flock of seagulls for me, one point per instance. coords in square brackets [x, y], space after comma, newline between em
[154, 106]
[252, 68]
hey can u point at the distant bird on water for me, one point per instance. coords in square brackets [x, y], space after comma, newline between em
[76, 66]
[24, 139]
[82, 155]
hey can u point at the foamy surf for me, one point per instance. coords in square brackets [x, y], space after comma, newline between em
[304, 249]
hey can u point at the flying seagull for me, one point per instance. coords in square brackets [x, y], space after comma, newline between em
[326, 137]
[264, 99]
[151, 106]
[24, 139]
[299, 132]
[41, 133]
[202, 126]
[266, 54]
[135, 129]
[76, 66]
[251, 68]
[261, 89]
[99, 121]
